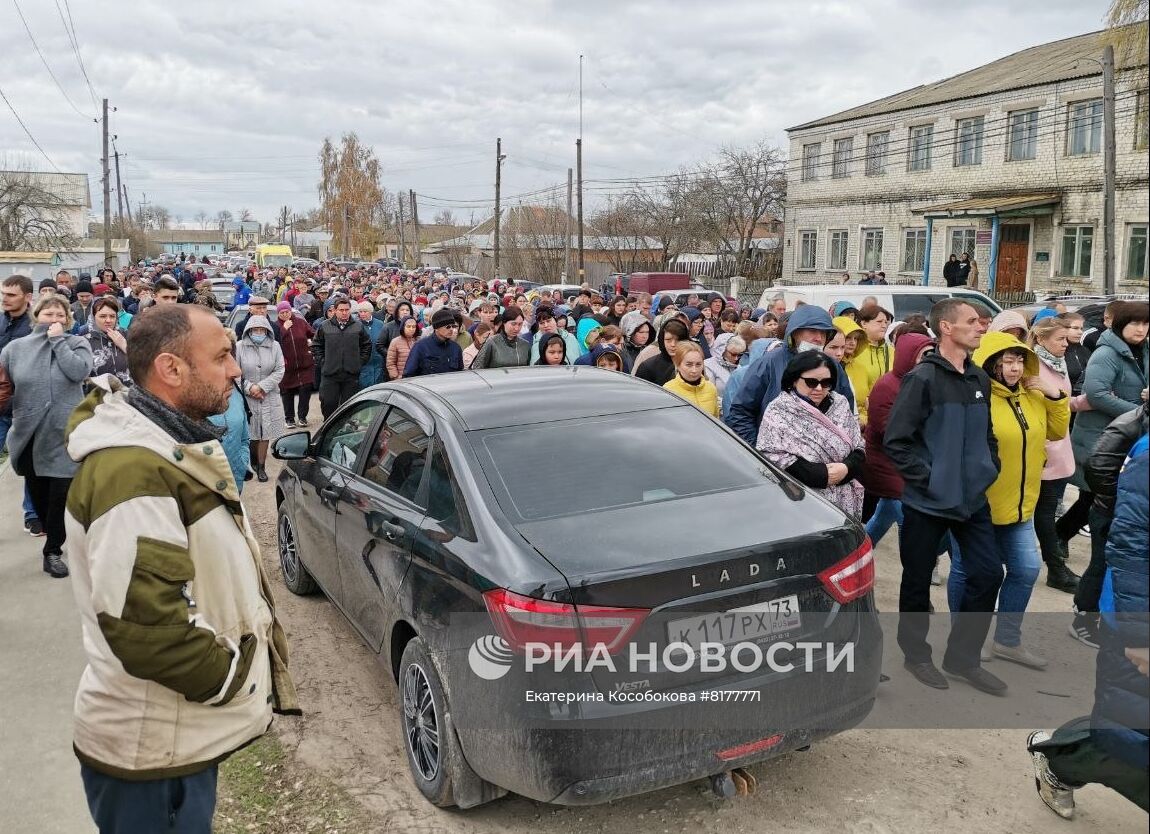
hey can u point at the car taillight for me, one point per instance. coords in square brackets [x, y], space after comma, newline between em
[853, 577]
[520, 620]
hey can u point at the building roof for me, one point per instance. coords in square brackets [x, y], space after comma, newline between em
[27, 257]
[186, 236]
[989, 205]
[1044, 64]
[71, 188]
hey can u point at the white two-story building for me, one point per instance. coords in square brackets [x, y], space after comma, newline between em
[1003, 162]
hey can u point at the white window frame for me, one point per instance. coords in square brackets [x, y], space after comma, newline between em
[808, 241]
[841, 158]
[811, 153]
[1077, 230]
[965, 233]
[1022, 133]
[867, 234]
[1078, 122]
[919, 243]
[877, 147]
[918, 152]
[1144, 230]
[832, 263]
[968, 135]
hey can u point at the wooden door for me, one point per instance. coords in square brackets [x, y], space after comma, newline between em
[1013, 257]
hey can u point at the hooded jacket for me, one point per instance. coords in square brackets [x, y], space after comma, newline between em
[703, 394]
[660, 368]
[399, 349]
[600, 349]
[764, 375]
[1113, 385]
[717, 369]
[630, 327]
[757, 348]
[544, 341]
[881, 477]
[1022, 421]
[186, 660]
[940, 439]
[857, 373]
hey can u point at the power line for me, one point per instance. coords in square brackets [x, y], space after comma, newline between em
[28, 132]
[75, 44]
[44, 60]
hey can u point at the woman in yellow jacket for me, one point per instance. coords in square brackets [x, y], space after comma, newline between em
[689, 382]
[875, 355]
[861, 383]
[1026, 410]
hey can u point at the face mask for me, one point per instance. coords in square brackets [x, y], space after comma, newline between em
[259, 338]
[803, 347]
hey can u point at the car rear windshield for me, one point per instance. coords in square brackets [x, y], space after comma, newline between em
[568, 467]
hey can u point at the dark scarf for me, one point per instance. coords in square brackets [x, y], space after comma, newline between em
[180, 426]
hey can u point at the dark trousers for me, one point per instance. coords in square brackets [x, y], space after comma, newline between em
[1090, 585]
[1045, 527]
[918, 545]
[49, 496]
[1077, 759]
[182, 806]
[1074, 518]
[334, 391]
[303, 392]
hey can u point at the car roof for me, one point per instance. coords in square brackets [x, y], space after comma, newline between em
[871, 289]
[517, 396]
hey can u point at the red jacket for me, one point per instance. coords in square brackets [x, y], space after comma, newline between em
[880, 476]
[299, 364]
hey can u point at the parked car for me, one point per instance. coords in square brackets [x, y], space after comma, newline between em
[1073, 302]
[235, 315]
[900, 299]
[390, 263]
[569, 291]
[418, 505]
[681, 296]
[305, 263]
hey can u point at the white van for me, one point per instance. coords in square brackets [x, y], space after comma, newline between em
[902, 300]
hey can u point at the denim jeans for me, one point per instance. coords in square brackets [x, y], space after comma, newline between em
[5, 426]
[1018, 550]
[888, 512]
[182, 805]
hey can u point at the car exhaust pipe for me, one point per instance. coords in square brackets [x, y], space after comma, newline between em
[732, 783]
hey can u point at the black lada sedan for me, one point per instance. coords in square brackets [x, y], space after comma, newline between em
[584, 587]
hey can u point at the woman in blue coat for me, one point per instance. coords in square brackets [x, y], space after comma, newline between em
[372, 370]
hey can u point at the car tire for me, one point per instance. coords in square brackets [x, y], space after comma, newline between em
[423, 707]
[296, 577]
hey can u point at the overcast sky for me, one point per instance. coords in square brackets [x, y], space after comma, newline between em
[225, 104]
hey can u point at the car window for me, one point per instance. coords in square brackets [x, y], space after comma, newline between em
[399, 456]
[907, 303]
[519, 462]
[342, 442]
[444, 498]
[978, 299]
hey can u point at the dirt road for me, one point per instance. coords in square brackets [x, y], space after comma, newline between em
[867, 782]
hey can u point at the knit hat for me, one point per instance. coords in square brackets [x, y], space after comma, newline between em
[83, 286]
[442, 318]
[47, 283]
[101, 289]
[365, 307]
[1044, 313]
[283, 305]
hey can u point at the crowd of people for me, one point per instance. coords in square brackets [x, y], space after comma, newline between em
[961, 428]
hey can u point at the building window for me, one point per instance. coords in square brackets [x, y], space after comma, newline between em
[913, 250]
[918, 154]
[1077, 245]
[842, 159]
[1136, 252]
[1023, 141]
[1142, 120]
[809, 245]
[961, 240]
[968, 141]
[876, 145]
[871, 249]
[197, 247]
[811, 161]
[837, 251]
[1084, 127]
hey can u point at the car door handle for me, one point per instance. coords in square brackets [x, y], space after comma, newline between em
[392, 531]
[330, 493]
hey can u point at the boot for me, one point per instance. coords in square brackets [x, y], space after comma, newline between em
[261, 473]
[1060, 577]
[54, 565]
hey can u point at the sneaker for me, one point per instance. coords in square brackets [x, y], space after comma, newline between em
[1058, 797]
[980, 679]
[1085, 531]
[1084, 629]
[302, 422]
[1020, 655]
[985, 654]
[54, 565]
[289, 423]
[35, 527]
[935, 576]
[927, 673]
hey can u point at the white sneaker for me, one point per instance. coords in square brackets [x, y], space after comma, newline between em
[1020, 655]
[1085, 531]
[935, 576]
[986, 655]
[1057, 796]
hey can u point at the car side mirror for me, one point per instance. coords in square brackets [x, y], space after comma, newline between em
[292, 446]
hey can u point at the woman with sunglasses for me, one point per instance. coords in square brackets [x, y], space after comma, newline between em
[810, 432]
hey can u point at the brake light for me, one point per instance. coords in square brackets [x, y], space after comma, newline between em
[732, 753]
[853, 577]
[521, 619]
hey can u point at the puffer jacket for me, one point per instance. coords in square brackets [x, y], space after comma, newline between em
[1105, 463]
[1060, 453]
[880, 476]
[186, 660]
[1022, 422]
[1121, 692]
[299, 364]
[397, 352]
[1113, 385]
[703, 395]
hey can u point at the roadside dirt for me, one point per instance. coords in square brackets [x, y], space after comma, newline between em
[862, 782]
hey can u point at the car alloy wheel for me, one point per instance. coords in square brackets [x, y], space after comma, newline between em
[289, 556]
[421, 722]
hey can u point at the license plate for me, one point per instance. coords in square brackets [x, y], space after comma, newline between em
[750, 623]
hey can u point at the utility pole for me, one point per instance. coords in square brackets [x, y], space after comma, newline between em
[567, 234]
[107, 191]
[119, 195]
[402, 234]
[579, 177]
[498, 169]
[1108, 174]
[415, 222]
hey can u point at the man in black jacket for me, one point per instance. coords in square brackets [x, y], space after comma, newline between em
[940, 439]
[341, 348]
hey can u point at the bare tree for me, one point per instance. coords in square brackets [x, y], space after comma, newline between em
[353, 199]
[622, 229]
[202, 219]
[245, 215]
[223, 218]
[33, 217]
[444, 218]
